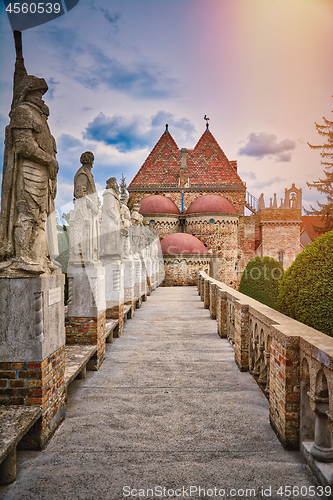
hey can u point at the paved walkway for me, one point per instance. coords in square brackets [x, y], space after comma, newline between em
[167, 408]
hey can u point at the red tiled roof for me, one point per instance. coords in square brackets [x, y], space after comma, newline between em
[307, 221]
[207, 165]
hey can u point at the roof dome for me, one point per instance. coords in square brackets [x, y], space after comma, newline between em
[182, 243]
[211, 203]
[158, 204]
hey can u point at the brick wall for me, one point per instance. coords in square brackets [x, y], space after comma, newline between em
[39, 383]
[88, 331]
[183, 270]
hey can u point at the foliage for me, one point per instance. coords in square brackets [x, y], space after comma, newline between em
[325, 185]
[260, 280]
[306, 291]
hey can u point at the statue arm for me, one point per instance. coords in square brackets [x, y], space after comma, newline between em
[27, 147]
[80, 186]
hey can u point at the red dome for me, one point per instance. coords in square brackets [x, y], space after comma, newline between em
[157, 204]
[211, 203]
[182, 243]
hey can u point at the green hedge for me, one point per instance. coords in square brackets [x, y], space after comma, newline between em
[260, 280]
[306, 291]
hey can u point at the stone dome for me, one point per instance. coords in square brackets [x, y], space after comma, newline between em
[211, 203]
[182, 243]
[158, 204]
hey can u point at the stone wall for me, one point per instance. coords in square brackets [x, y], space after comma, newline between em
[292, 363]
[280, 232]
[182, 270]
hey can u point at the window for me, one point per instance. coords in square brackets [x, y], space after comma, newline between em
[281, 257]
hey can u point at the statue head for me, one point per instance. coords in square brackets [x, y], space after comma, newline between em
[112, 184]
[87, 158]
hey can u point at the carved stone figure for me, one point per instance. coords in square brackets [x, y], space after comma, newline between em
[85, 218]
[29, 180]
[111, 221]
[126, 221]
[136, 217]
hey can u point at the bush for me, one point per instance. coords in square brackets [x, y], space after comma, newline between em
[306, 291]
[260, 280]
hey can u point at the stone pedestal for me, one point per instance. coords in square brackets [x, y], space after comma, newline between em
[137, 281]
[129, 282]
[114, 293]
[86, 310]
[32, 350]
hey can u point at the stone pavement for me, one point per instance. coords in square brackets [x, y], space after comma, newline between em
[167, 408]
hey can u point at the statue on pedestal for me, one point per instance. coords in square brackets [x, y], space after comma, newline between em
[136, 230]
[111, 221]
[29, 181]
[86, 216]
[126, 219]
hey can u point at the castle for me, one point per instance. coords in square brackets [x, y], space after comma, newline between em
[196, 201]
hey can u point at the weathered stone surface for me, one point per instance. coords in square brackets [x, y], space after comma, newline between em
[168, 407]
[29, 180]
[84, 226]
[77, 357]
[32, 317]
[111, 226]
[86, 291]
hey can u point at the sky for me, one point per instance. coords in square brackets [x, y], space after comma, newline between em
[119, 70]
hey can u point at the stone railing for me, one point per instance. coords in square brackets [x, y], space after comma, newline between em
[292, 363]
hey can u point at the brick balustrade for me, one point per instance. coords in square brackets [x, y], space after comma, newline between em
[292, 363]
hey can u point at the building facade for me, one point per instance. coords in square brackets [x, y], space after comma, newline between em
[199, 192]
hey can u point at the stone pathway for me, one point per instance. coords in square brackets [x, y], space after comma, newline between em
[167, 408]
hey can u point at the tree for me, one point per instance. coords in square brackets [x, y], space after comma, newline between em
[325, 185]
[306, 291]
[260, 280]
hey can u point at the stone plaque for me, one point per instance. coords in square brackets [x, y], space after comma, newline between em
[54, 296]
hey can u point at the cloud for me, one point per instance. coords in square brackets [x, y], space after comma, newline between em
[140, 79]
[111, 18]
[136, 132]
[265, 145]
[52, 84]
[269, 182]
[91, 66]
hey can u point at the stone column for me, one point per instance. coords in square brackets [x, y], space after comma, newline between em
[322, 449]
[241, 338]
[221, 313]
[206, 293]
[213, 300]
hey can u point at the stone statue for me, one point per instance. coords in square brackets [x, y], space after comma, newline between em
[136, 231]
[126, 220]
[111, 221]
[136, 217]
[29, 180]
[85, 218]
